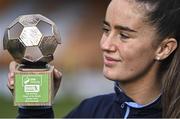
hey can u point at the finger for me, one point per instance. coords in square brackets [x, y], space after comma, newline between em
[12, 66]
[11, 75]
[57, 80]
[11, 87]
[11, 79]
[57, 74]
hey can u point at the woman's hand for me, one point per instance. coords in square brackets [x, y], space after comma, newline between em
[11, 76]
[57, 80]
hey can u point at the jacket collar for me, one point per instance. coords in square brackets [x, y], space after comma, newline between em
[122, 98]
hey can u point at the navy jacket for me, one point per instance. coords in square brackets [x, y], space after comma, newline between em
[115, 105]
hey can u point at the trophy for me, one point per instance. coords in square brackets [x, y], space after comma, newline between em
[31, 40]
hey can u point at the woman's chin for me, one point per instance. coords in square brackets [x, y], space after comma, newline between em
[113, 76]
[110, 75]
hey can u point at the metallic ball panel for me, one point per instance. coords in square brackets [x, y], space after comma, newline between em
[5, 39]
[45, 19]
[57, 34]
[48, 58]
[29, 20]
[16, 49]
[48, 45]
[45, 28]
[30, 36]
[32, 54]
[15, 31]
[14, 22]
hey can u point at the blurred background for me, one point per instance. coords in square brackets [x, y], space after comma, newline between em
[78, 58]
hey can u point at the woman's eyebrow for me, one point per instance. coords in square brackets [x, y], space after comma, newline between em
[106, 23]
[120, 27]
[124, 28]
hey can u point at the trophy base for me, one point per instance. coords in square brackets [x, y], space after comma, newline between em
[33, 86]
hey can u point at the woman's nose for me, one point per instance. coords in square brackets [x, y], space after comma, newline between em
[107, 43]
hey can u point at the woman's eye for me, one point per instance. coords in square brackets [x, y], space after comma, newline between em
[105, 30]
[123, 36]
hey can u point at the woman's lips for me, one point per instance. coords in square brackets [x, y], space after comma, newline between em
[110, 61]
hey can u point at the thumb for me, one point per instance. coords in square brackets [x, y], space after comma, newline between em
[12, 66]
[57, 80]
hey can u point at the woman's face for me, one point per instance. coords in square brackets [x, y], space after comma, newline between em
[128, 42]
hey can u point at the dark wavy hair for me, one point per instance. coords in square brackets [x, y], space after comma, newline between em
[164, 15]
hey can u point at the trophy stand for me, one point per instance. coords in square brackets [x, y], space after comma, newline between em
[31, 40]
[33, 86]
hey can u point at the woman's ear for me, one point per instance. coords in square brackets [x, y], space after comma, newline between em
[166, 47]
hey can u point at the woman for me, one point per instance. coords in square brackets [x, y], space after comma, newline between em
[140, 47]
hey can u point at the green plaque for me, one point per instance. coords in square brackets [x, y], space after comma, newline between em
[31, 88]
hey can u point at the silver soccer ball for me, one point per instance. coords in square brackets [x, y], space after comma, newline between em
[32, 39]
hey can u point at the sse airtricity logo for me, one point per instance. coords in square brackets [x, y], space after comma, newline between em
[32, 83]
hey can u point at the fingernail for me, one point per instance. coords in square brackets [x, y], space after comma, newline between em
[12, 74]
[11, 82]
[58, 73]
